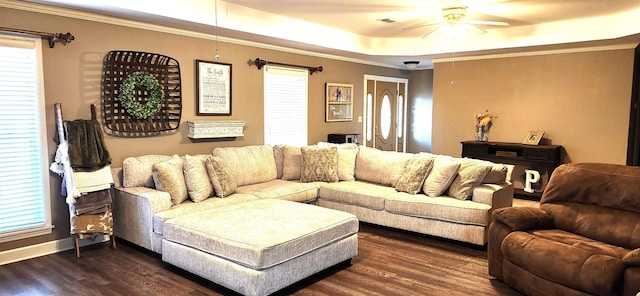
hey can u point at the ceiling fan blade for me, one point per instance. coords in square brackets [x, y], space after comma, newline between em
[488, 23]
[422, 26]
[432, 33]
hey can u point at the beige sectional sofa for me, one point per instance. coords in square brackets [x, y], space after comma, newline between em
[366, 186]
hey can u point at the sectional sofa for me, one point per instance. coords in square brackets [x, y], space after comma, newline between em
[431, 194]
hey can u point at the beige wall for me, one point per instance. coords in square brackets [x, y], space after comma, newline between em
[72, 76]
[581, 100]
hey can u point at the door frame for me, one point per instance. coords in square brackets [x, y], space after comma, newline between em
[398, 81]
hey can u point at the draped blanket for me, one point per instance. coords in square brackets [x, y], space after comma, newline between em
[87, 150]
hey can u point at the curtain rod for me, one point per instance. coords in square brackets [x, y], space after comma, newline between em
[51, 37]
[261, 63]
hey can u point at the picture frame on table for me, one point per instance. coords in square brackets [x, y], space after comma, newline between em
[339, 102]
[533, 138]
[213, 88]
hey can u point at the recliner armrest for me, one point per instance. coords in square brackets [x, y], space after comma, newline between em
[523, 218]
[632, 258]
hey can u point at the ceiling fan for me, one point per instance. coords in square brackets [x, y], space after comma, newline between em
[454, 20]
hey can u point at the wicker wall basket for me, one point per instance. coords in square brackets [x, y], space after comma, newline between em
[118, 65]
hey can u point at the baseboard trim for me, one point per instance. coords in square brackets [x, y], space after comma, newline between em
[46, 248]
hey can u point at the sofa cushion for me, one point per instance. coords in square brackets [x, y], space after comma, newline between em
[319, 164]
[283, 189]
[266, 233]
[190, 207]
[196, 177]
[442, 174]
[169, 177]
[579, 263]
[377, 166]
[414, 173]
[470, 174]
[358, 193]
[441, 208]
[292, 162]
[137, 170]
[223, 181]
[249, 164]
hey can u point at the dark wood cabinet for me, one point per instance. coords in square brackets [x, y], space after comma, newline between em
[343, 138]
[542, 158]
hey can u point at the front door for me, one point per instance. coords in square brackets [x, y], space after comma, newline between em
[385, 116]
[384, 113]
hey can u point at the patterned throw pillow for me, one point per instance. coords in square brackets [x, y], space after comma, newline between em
[442, 174]
[168, 177]
[196, 178]
[223, 181]
[470, 174]
[319, 164]
[414, 173]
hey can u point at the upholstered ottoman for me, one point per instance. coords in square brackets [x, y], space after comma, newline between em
[260, 247]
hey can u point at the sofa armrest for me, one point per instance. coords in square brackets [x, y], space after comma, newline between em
[495, 195]
[523, 218]
[133, 210]
[632, 258]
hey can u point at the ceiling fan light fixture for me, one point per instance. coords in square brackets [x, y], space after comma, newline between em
[411, 64]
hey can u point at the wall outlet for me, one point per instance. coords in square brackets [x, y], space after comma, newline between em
[360, 119]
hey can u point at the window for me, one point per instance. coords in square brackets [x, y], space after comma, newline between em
[369, 116]
[400, 115]
[285, 106]
[24, 205]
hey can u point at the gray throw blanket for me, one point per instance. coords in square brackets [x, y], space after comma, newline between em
[87, 150]
[92, 203]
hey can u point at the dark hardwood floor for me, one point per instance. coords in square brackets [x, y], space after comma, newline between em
[389, 262]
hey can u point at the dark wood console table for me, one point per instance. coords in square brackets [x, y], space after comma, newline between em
[542, 158]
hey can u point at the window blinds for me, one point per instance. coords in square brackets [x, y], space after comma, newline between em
[24, 208]
[285, 106]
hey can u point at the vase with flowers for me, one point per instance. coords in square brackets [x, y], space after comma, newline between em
[483, 123]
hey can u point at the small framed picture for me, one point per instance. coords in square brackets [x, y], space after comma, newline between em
[533, 138]
[338, 102]
[213, 88]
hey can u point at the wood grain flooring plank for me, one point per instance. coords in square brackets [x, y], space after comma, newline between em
[389, 262]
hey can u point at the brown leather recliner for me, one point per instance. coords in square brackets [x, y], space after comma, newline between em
[583, 240]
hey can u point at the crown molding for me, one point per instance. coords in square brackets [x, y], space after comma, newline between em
[94, 17]
[535, 53]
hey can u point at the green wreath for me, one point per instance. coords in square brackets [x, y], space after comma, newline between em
[150, 83]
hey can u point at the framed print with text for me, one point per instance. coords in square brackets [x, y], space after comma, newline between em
[338, 102]
[213, 89]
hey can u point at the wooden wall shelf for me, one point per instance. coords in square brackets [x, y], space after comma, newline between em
[216, 129]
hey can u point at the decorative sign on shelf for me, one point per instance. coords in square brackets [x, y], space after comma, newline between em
[141, 93]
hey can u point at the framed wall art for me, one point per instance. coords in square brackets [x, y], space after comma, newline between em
[213, 89]
[339, 102]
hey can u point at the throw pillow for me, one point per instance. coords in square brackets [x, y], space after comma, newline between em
[497, 175]
[292, 163]
[441, 175]
[347, 153]
[319, 164]
[377, 166]
[168, 177]
[221, 178]
[470, 174]
[196, 178]
[278, 154]
[414, 173]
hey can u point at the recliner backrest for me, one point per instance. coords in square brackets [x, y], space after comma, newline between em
[595, 200]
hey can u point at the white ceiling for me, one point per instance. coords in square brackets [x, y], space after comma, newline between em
[352, 30]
